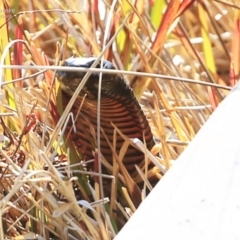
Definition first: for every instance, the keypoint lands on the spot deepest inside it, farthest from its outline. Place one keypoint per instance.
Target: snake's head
(70, 80)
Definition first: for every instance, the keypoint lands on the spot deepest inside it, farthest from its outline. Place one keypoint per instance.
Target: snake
(119, 109)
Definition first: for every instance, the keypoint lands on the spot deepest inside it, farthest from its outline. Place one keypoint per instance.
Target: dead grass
(38, 200)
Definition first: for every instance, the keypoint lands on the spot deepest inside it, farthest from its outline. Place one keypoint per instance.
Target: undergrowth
(180, 58)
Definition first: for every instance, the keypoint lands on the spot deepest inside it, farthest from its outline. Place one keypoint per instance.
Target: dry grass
(187, 74)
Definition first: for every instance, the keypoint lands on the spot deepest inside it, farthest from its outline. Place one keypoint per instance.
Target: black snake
(119, 107)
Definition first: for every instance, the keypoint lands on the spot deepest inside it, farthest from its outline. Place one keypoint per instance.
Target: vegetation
(181, 58)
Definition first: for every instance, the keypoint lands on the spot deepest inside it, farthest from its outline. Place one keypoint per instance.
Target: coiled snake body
(119, 107)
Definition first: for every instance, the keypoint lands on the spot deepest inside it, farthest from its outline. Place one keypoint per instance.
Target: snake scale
(118, 106)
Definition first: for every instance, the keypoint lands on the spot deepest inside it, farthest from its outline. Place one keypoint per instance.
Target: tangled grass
(180, 63)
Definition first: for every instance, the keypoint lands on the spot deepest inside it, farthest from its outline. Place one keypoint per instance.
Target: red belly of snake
(118, 108)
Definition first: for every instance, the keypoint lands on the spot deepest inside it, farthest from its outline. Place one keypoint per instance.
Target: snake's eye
(108, 65)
